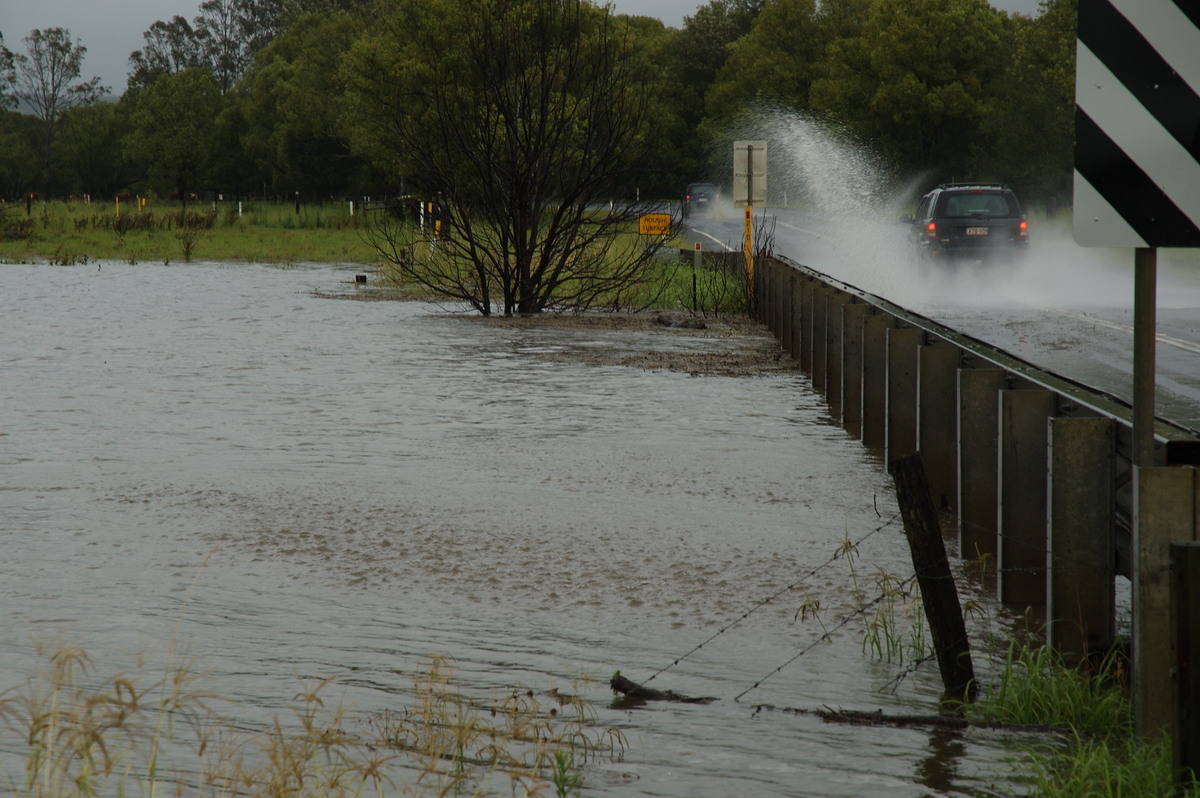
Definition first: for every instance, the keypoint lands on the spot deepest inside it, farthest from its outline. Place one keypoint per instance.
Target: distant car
(969, 221)
(700, 198)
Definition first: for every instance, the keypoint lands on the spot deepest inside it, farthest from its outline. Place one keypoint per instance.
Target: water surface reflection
(216, 460)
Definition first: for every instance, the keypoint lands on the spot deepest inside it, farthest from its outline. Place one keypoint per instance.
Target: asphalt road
(1068, 309)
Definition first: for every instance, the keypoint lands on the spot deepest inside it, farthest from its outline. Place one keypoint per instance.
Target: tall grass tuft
(1034, 686)
(1103, 758)
(69, 733)
(1100, 768)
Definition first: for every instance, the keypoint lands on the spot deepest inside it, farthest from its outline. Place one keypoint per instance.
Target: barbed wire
(836, 556)
(826, 635)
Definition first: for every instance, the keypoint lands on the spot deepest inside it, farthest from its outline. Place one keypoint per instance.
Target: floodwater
(216, 462)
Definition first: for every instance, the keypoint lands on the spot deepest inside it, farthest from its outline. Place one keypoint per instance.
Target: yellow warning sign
(655, 224)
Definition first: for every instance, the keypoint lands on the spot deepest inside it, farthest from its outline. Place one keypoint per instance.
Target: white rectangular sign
(750, 173)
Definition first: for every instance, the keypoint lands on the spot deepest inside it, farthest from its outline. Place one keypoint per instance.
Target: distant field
(164, 232)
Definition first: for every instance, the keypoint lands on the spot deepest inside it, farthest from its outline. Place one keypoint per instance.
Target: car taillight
(931, 231)
(1023, 231)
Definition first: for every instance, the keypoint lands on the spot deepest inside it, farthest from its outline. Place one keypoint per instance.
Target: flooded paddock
(218, 462)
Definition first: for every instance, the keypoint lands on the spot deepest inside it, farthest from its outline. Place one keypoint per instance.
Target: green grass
(162, 232)
(667, 280)
(68, 234)
(1035, 687)
(165, 233)
(1116, 767)
(1104, 758)
(709, 290)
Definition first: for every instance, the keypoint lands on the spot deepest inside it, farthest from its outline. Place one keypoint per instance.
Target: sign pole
(748, 248)
(749, 157)
(1137, 184)
(1145, 312)
(748, 235)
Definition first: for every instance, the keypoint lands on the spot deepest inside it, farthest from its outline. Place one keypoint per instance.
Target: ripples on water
(373, 483)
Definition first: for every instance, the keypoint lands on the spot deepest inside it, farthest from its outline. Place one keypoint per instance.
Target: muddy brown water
(217, 461)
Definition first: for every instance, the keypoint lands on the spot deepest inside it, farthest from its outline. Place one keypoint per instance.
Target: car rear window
(969, 204)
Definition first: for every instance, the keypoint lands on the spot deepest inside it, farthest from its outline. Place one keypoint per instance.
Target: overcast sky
(112, 29)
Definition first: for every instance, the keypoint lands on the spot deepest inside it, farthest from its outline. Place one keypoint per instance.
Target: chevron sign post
(1137, 184)
(1137, 124)
(1137, 154)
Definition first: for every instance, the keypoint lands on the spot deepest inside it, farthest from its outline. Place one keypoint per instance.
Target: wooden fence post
(938, 591)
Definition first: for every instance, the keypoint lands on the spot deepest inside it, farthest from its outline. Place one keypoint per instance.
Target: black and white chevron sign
(1137, 123)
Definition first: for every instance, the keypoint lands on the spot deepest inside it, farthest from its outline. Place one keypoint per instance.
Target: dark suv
(969, 221)
(700, 198)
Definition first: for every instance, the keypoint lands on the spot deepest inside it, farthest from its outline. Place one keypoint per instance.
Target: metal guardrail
(1036, 469)
(1179, 443)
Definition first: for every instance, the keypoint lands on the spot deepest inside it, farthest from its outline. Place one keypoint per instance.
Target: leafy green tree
(19, 170)
(293, 9)
(232, 31)
(1033, 122)
(173, 130)
(235, 172)
(224, 36)
(699, 53)
(46, 80)
(521, 117)
(171, 47)
(666, 163)
(917, 81)
(774, 62)
(8, 76)
(291, 103)
(90, 157)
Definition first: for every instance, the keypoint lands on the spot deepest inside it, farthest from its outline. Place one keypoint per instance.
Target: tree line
(349, 98)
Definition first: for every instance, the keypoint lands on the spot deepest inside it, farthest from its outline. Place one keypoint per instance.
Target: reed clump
(1106, 768)
(1034, 686)
(1101, 757)
(70, 732)
(1091, 748)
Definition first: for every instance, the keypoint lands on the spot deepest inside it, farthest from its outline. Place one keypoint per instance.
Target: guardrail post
(807, 293)
(852, 366)
(757, 286)
(796, 288)
(775, 278)
(1081, 556)
(787, 317)
(833, 351)
(1185, 644)
(820, 338)
(978, 463)
(1022, 496)
(902, 346)
(937, 433)
(1165, 510)
(874, 379)
(763, 276)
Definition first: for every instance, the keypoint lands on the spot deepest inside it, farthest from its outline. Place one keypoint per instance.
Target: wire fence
(841, 551)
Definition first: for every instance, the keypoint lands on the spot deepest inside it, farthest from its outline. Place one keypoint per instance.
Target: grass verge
(1103, 758)
(70, 233)
(73, 233)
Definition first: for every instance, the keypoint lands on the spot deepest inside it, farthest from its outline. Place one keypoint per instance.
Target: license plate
(977, 231)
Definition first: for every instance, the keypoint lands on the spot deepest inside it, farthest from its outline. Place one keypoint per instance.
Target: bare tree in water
(523, 118)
